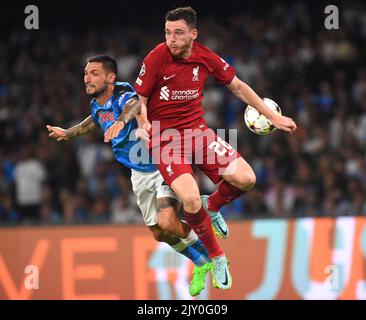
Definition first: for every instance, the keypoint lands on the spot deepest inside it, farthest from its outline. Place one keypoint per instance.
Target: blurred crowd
(317, 76)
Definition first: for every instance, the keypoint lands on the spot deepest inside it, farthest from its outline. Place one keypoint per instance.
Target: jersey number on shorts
(221, 147)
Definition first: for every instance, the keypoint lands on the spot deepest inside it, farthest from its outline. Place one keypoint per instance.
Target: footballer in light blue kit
(122, 145)
(114, 107)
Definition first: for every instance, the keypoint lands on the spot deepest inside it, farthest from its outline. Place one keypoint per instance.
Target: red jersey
(174, 86)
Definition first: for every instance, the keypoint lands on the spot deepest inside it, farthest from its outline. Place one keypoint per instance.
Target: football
(257, 122)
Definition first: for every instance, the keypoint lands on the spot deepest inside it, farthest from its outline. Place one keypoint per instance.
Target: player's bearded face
(96, 90)
(179, 38)
(95, 79)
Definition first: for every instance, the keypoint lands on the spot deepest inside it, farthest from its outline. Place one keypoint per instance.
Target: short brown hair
(109, 64)
(184, 13)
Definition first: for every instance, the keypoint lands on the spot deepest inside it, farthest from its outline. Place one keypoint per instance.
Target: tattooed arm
(83, 127)
(143, 122)
(131, 109)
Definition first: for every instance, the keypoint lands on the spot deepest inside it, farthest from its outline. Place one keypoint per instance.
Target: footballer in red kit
(170, 87)
(175, 85)
(178, 105)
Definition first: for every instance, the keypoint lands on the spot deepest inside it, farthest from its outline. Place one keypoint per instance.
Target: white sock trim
(180, 246)
(192, 238)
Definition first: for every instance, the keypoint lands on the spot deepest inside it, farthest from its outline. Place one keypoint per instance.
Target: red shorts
(174, 152)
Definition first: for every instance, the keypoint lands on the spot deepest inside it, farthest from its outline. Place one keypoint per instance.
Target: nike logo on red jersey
(167, 78)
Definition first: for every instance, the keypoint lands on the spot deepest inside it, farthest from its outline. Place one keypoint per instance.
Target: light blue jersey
(126, 149)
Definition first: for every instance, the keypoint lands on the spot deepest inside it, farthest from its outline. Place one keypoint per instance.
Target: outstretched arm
(247, 95)
(131, 109)
(142, 116)
(82, 128)
(142, 120)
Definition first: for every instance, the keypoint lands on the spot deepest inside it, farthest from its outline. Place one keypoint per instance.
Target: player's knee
(251, 180)
(247, 180)
(191, 202)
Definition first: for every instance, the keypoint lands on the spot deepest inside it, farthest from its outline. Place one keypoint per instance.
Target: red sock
(201, 224)
(224, 194)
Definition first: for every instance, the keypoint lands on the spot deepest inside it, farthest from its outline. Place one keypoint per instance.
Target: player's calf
(168, 220)
(161, 235)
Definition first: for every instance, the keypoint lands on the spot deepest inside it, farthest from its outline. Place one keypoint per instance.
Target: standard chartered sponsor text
(184, 94)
